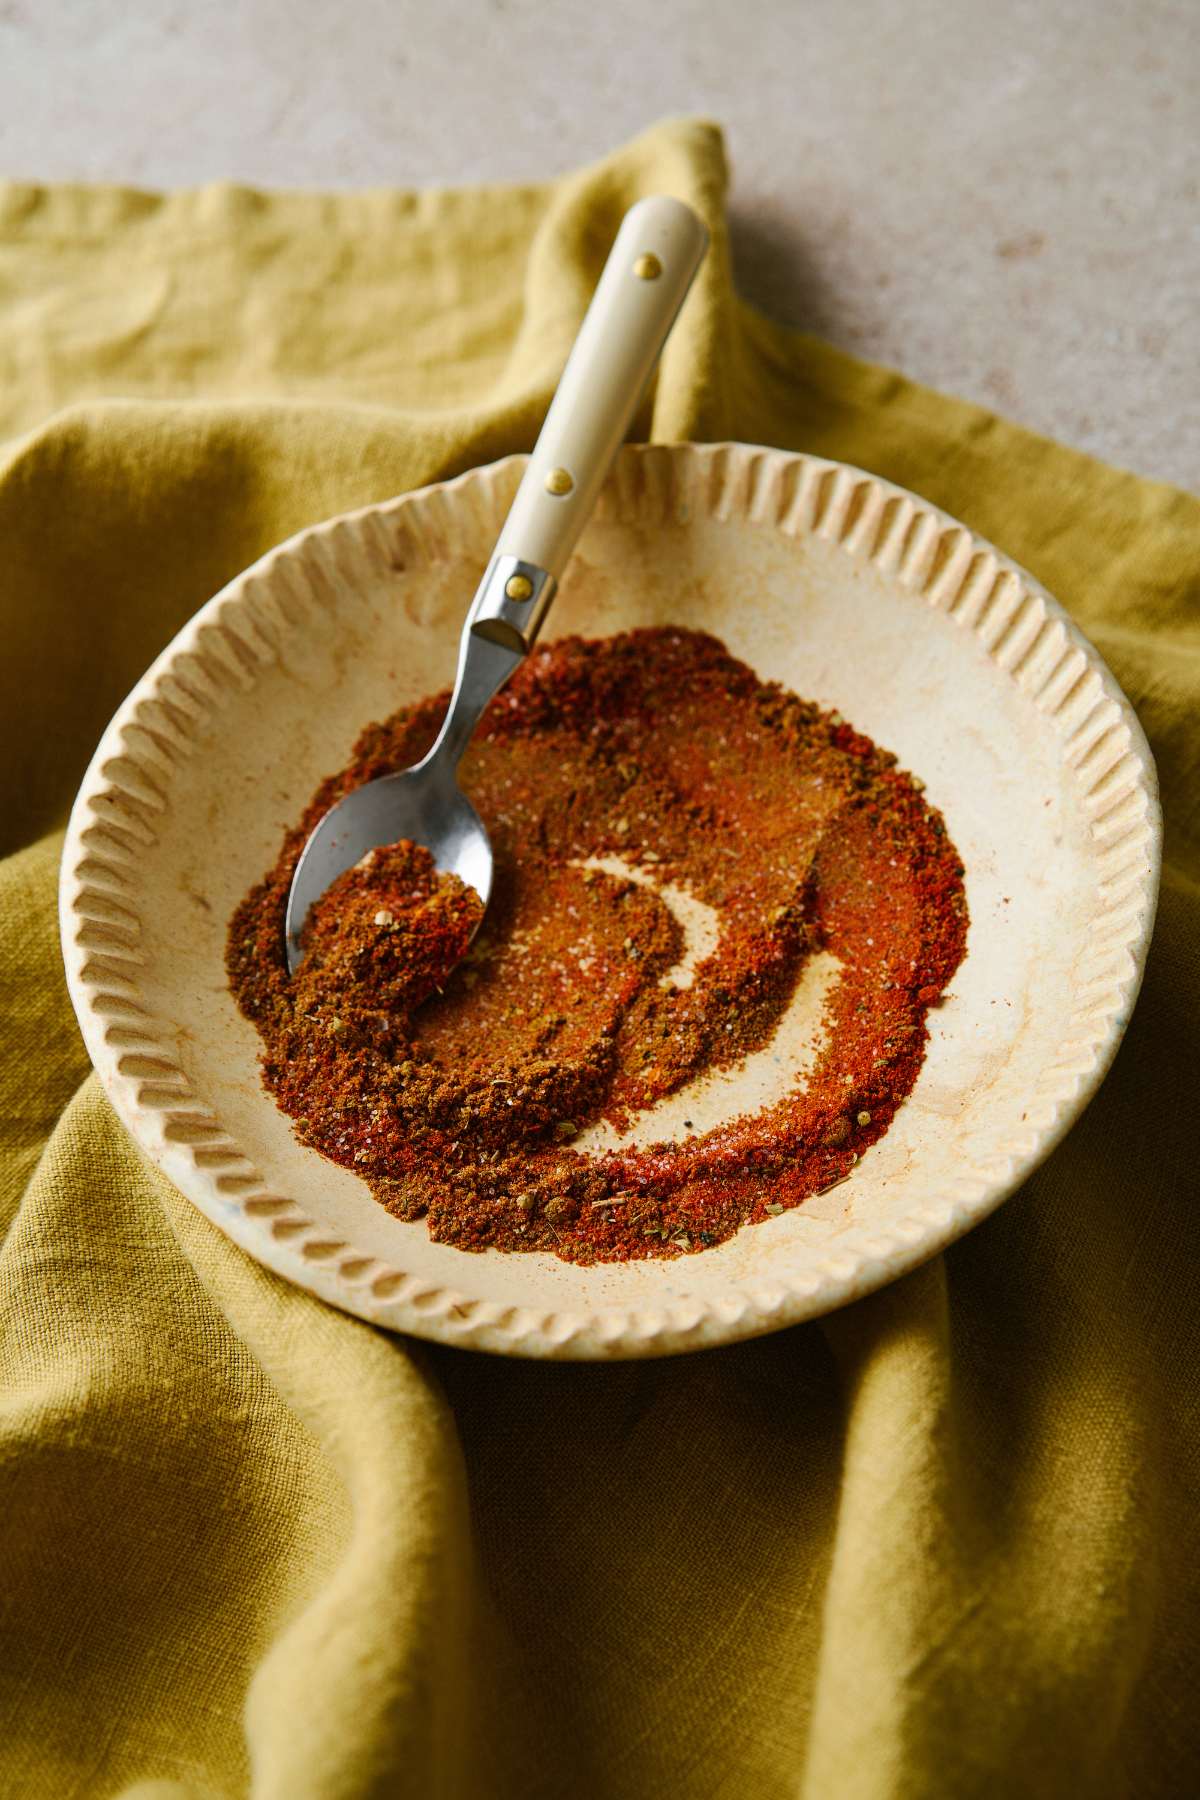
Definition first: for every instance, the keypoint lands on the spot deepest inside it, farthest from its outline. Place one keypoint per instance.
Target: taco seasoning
(381, 939)
(675, 841)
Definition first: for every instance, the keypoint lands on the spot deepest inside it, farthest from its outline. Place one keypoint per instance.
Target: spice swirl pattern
(612, 775)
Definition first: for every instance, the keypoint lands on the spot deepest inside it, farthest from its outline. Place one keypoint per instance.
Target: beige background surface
(1000, 199)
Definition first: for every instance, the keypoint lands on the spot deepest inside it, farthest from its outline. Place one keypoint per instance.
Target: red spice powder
(614, 776)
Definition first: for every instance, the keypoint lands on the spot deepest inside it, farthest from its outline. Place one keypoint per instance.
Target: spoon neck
(483, 667)
(496, 638)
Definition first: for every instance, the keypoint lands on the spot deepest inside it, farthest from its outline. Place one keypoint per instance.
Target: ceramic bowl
(848, 590)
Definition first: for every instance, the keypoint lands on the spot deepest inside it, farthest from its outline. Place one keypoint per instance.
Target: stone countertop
(1002, 201)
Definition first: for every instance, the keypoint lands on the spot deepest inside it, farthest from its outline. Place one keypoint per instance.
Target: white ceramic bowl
(848, 590)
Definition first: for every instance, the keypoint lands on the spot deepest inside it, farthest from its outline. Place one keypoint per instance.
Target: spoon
(649, 270)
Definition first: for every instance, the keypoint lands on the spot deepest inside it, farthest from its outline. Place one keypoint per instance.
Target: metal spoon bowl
(649, 270)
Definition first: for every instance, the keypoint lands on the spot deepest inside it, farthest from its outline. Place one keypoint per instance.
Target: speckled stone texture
(1001, 201)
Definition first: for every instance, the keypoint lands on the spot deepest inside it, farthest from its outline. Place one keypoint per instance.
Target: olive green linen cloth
(941, 1543)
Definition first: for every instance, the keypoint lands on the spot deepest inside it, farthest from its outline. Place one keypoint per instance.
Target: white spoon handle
(649, 270)
(648, 273)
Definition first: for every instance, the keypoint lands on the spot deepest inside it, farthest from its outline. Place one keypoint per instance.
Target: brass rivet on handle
(647, 267)
(559, 481)
(518, 587)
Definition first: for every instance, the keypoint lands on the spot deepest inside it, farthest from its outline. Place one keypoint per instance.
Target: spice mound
(719, 918)
(382, 938)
